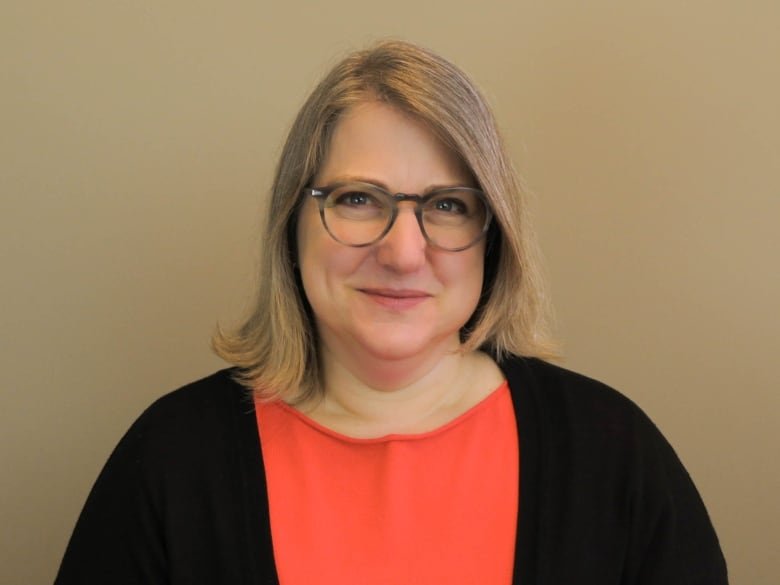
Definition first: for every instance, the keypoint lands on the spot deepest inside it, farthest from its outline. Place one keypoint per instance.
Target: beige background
(136, 145)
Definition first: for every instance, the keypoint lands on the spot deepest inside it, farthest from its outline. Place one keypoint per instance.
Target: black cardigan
(604, 498)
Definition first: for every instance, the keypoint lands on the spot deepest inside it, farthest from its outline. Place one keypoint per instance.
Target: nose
(403, 249)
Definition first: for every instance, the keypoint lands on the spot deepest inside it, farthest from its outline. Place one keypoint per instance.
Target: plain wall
(137, 141)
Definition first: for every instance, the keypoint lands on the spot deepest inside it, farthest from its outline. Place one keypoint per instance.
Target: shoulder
(595, 466)
(198, 420)
(582, 415)
(182, 480)
(201, 401)
(193, 440)
(567, 393)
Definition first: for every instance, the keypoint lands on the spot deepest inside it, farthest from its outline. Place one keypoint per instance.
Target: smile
(398, 299)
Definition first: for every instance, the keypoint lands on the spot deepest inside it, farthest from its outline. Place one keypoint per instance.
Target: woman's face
(398, 298)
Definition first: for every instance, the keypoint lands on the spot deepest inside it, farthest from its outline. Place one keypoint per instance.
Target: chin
(400, 345)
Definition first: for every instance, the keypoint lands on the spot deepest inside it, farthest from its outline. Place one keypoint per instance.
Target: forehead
(375, 140)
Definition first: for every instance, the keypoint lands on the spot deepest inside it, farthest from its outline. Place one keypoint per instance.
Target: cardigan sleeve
(118, 538)
(671, 539)
(604, 498)
(182, 498)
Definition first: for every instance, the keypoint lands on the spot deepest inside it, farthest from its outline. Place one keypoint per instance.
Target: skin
(388, 315)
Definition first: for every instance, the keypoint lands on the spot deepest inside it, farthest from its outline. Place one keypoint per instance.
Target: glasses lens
(356, 214)
(455, 218)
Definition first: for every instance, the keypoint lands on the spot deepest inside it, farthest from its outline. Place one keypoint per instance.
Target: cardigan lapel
(522, 386)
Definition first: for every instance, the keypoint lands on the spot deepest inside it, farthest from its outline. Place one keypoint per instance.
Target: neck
(402, 396)
(387, 374)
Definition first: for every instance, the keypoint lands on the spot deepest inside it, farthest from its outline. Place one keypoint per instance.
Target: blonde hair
(275, 348)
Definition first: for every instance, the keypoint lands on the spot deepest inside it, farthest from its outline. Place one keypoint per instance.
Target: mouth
(397, 299)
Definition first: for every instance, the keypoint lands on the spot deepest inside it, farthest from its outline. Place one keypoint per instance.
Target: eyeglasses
(361, 214)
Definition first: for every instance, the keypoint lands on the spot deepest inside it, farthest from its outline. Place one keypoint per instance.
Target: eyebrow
(381, 185)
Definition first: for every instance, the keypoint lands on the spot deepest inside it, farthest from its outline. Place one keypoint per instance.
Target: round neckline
(393, 437)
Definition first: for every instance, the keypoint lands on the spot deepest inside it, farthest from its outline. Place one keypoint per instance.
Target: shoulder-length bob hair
(276, 346)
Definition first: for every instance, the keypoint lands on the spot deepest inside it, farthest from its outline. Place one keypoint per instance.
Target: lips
(398, 299)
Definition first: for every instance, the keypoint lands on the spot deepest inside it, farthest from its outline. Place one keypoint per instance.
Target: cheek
(312, 242)
(462, 276)
(320, 271)
(471, 297)
(304, 232)
(307, 258)
(471, 272)
(474, 276)
(324, 264)
(476, 290)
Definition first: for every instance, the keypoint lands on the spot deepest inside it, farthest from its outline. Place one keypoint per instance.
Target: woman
(395, 434)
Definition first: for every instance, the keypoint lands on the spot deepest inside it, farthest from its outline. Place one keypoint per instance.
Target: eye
(356, 203)
(451, 205)
(355, 199)
(455, 208)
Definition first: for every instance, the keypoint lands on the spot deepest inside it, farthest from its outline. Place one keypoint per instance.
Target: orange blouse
(434, 507)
